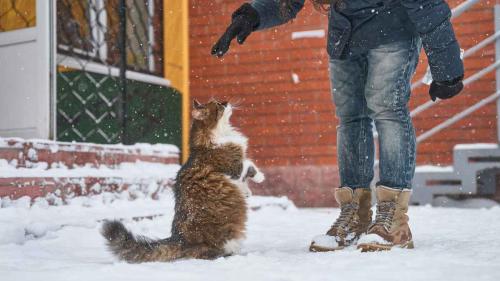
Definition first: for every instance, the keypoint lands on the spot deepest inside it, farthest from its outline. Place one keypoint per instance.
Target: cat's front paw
(259, 177)
(252, 172)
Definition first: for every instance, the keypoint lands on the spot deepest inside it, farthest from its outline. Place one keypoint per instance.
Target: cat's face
(211, 113)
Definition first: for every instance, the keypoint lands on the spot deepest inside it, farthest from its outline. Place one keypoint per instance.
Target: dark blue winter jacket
(357, 25)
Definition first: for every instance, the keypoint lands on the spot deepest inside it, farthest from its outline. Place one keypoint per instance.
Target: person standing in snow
(374, 47)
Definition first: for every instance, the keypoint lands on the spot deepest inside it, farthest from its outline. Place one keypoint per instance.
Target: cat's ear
(196, 104)
(198, 114)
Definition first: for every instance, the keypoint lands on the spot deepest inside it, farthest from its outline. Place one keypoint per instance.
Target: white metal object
(466, 5)
(53, 69)
(458, 117)
(497, 58)
(466, 82)
(90, 66)
(25, 77)
(317, 33)
(482, 44)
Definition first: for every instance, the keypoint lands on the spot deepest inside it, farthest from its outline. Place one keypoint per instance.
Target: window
(17, 14)
(81, 26)
(90, 29)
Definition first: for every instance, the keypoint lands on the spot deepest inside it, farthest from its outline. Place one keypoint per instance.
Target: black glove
(446, 89)
(245, 20)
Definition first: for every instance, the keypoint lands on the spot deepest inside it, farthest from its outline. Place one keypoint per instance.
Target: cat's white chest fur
(225, 133)
(223, 136)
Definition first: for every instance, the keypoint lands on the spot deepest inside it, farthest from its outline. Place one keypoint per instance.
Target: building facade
(280, 78)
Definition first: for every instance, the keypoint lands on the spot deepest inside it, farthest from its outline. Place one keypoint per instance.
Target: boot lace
(347, 212)
(385, 214)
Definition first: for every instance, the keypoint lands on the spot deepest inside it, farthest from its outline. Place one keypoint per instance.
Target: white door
(26, 56)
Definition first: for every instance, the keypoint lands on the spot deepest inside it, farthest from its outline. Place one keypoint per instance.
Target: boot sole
(375, 247)
(319, 249)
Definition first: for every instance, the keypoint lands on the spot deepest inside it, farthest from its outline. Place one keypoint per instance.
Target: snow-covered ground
(44, 242)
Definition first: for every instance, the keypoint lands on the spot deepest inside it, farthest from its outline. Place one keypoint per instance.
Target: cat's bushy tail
(135, 249)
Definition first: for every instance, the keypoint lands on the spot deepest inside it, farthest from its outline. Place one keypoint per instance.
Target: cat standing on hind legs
(210, 191)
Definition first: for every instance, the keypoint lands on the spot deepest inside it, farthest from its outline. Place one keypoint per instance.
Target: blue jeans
(374, 87)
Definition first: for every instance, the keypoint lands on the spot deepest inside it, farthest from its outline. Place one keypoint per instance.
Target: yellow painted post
(176, 58)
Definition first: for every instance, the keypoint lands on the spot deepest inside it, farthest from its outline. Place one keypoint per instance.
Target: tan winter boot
(354, 219)
(390, 228)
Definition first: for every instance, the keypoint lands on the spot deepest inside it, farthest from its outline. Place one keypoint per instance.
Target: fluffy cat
(210, 191)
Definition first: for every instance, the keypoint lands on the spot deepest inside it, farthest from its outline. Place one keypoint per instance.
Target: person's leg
(355, 156)
(355, 148)
(390, 68)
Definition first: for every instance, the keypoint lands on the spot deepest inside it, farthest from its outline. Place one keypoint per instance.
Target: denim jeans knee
(376, 86)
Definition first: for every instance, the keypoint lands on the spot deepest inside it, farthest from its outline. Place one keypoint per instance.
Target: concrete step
(469, 162)
(57, 170)
(470, 159)
(25, 153)
(62, 188)
(432, 180)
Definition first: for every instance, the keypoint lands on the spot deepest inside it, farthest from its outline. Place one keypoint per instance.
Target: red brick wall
(291, 126)
(471, 28)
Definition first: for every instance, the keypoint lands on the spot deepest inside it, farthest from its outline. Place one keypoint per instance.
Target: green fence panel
(88, 107)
